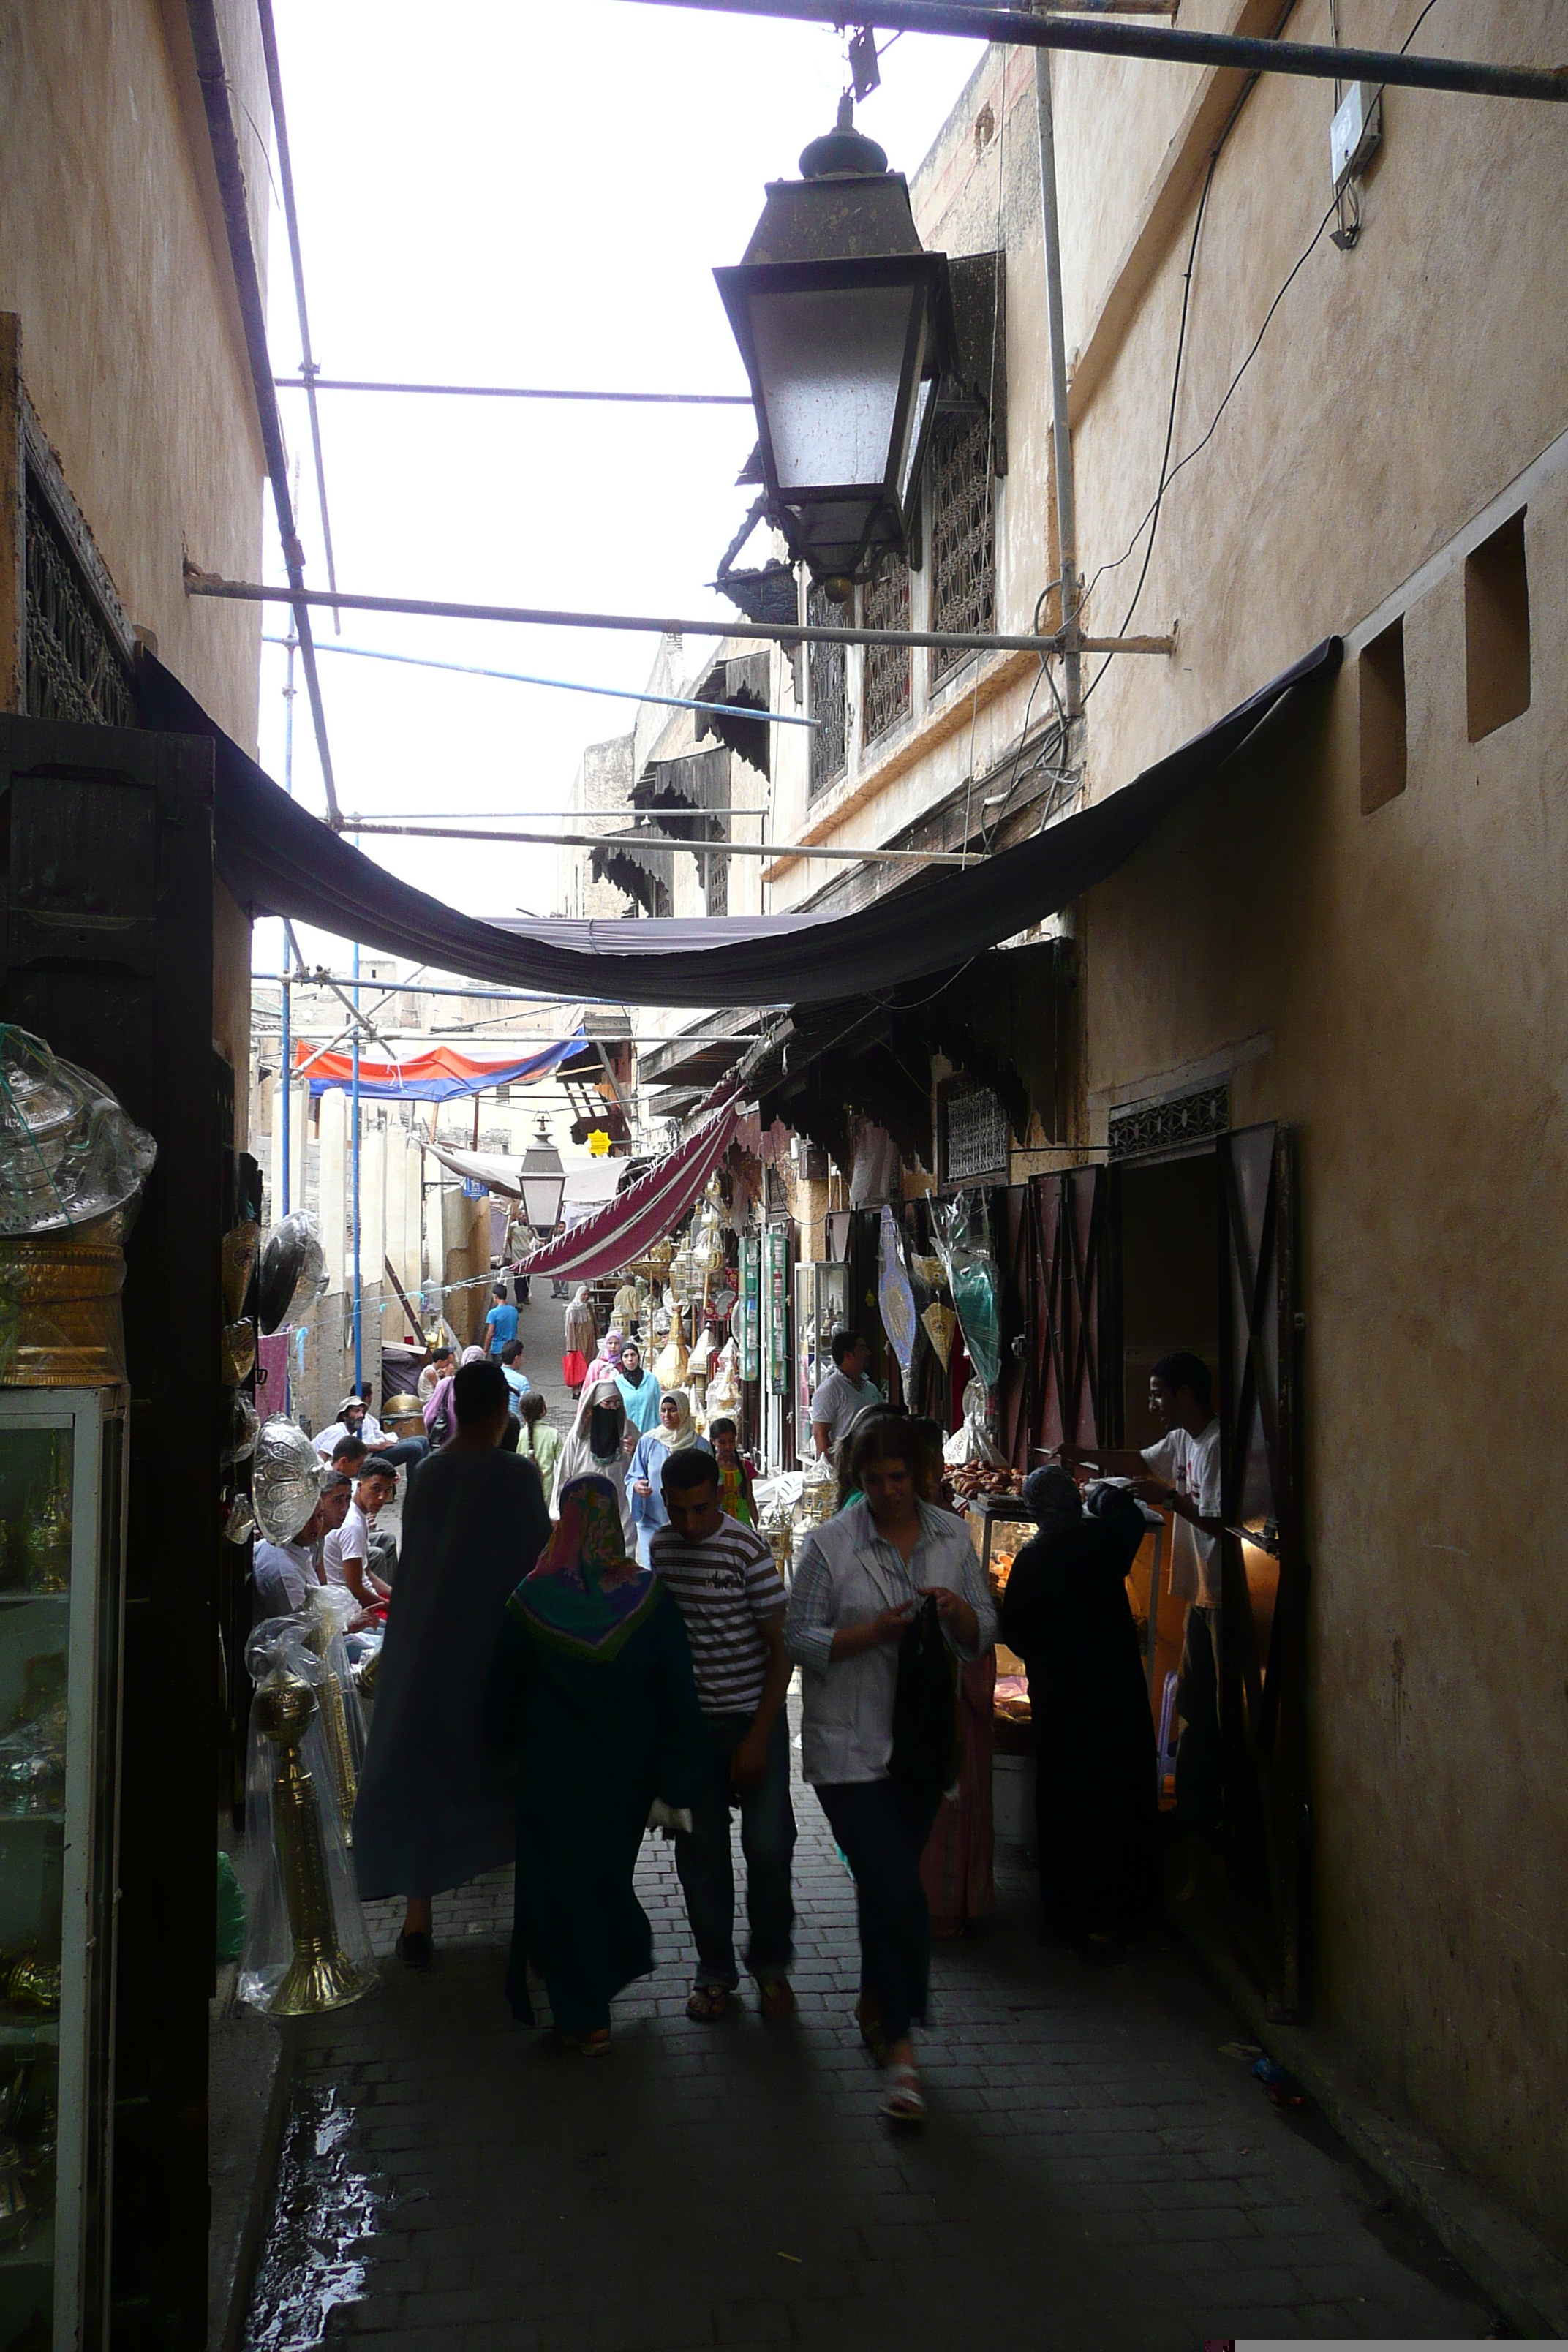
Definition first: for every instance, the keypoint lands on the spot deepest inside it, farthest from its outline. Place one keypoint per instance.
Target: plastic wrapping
(286, 1477)
(723, 1398)
(329, 1608)
(69, 1155)
(293, 1274)
(894, 1296)
(969, 1441)
(964, 1242)
(307, 1948)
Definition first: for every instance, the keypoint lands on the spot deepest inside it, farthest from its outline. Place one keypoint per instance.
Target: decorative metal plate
(1143, 1128)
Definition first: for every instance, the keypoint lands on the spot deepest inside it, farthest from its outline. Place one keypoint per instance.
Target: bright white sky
(526, 193)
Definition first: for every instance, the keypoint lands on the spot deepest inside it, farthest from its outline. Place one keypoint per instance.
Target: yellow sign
(599, 1144)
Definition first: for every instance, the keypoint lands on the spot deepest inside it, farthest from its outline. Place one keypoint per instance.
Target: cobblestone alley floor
(1097, 2170)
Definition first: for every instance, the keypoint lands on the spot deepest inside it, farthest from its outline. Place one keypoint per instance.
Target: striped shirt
(726, 1588)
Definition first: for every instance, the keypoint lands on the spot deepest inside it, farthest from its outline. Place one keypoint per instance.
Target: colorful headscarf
(685, 1431)
(585, 1596)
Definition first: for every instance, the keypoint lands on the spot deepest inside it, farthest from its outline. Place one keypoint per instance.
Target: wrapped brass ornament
(244, 1421)
(320, 1975)
(47, 1542)
(33, 1743)
(28, 1982)
(237, 1353)
(240, 1246)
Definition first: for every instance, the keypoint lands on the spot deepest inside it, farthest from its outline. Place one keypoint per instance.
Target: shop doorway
(1168, 1222)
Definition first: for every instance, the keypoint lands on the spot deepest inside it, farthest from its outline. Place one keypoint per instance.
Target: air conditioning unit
(1355, 133)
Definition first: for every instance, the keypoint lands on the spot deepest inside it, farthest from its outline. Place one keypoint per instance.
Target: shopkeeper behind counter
(846, 1391)
(1186, 1464)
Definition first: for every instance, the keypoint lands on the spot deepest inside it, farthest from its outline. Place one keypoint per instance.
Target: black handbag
(926, 1735)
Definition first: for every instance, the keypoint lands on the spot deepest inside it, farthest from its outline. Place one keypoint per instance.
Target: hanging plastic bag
(962, 1231)
(68, 1152)
(894, 1296)
(969, 1441)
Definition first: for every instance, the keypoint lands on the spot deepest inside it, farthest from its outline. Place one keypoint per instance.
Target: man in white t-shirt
(345, 1556)
(846, 1391)
(1186, 1464)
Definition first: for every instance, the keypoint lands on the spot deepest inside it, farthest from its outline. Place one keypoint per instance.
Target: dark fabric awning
(277, 859)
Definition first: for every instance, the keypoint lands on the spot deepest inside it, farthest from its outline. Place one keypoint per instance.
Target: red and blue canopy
(442, 1075)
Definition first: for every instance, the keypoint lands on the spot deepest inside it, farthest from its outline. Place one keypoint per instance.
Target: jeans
(767, 1841)
(408, 1450)
(1200, 1752)
(881, 1829)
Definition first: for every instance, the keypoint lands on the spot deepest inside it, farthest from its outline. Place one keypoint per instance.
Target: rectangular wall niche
(1381, 681)
(1496, 630)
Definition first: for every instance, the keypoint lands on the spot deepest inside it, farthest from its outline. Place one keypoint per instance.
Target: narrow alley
(1100, 2165)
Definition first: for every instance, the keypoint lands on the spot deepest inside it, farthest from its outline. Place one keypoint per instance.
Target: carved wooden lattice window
(74, 668)
(887, 693)
(964, 550)
(826, 689)
(718, 884)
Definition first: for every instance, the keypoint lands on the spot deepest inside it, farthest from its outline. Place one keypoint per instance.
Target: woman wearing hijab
(1067, 1613)
(439, 1418)
(592, 1692)
(596, 1447)
(434, 1806)
(639, 1390)
(607, 1362)
(671, 1434)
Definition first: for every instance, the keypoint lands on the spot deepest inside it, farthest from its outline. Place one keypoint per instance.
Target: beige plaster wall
(1406, 973)
(114, 256)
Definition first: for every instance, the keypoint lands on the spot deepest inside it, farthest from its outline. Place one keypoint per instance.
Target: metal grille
(1168, 1126)
(974, 1133)
(74, 670)
(827, 690)
(887, 693)
(718, 884)
(963, 549)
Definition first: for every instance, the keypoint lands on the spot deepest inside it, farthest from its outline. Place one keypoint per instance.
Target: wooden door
(1016, 1269)
(1263, 1575)
(106, 949)
(1072, 1392)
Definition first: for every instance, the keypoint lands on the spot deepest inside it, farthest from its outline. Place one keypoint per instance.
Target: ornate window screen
(974, 1131)
(963, 549)
(75, 666)
(886, 689)
(826, 689)
(1144, 1128)
(718, 890)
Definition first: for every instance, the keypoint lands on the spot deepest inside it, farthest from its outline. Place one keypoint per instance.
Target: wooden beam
(12, 520)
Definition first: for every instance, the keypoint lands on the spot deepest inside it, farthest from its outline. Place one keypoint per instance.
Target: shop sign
(778, 1310)
(748, 1318)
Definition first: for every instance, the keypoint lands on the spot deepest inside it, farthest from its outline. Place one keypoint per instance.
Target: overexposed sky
(516, 193)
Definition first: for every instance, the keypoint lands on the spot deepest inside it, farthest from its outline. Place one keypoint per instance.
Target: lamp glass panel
(542, 1200)
(925, 391)
(830, 532)
(829, 364)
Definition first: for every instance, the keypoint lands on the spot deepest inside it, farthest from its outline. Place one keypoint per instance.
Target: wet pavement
(1099, 2166)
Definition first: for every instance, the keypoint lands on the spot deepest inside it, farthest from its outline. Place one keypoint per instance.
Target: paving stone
(1090, 2155)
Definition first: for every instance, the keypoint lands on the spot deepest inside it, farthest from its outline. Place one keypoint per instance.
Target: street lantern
(542, 1182)
(844, 321)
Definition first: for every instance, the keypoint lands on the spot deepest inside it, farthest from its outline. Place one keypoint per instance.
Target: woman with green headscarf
(591, 1691)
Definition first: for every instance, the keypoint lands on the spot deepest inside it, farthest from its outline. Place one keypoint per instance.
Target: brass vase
(335, 1728)
(320, 1976)
(61, 1326)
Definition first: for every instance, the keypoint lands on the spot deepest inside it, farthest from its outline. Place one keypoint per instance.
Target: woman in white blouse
(859, 1582)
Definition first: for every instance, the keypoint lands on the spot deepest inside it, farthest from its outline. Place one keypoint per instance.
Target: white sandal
(903, 2101)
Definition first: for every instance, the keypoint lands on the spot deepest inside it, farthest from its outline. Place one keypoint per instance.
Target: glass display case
(61, 1488)
(821, 1308)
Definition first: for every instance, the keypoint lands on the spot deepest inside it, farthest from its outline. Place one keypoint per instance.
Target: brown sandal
(871, 2032)
(775, 2000)
(708, 2003)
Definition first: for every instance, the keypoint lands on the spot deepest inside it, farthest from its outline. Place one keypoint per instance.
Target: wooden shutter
(1071, 1394)
(1018, 1283)
(1262, 1669)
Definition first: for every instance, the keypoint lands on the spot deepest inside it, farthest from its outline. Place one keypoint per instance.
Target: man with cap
(354, 1419)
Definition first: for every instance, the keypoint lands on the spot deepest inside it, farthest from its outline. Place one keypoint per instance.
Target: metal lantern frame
(542, 1186)
(806, 515)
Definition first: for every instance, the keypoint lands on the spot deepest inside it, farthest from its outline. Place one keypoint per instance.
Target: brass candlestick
(334, 1726)
(320, 1976)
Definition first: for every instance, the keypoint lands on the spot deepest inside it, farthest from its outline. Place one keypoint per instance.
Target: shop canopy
(277, 859)
(586, 1188)
(443, 1074)
(648, 1211)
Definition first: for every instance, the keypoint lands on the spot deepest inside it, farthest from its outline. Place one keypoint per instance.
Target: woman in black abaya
(1067, 1614)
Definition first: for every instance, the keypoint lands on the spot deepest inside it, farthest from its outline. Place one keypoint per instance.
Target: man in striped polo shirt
(722, 1577)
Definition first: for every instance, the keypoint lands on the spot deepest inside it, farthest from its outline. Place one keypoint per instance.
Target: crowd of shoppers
(587, 1636)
